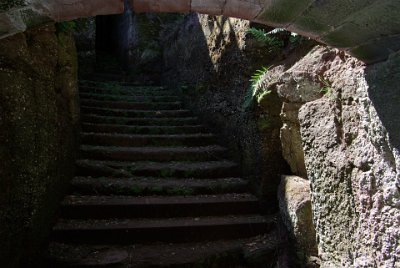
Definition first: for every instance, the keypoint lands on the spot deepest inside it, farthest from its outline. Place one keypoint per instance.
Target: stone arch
(367, 29)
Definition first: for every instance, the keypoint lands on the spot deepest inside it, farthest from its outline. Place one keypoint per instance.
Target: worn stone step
(123, 129)
(137, 121)
(133, 98)
(89, 82)
(210, 169)
(217, 253)
(104, 207)
(111, 139)
(135, 113)
(125, 91)
(105, 76)
(132, 105)
(126, 231)
(163, 154)
(156, 186)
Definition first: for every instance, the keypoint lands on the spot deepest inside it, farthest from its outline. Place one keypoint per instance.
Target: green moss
(180, 191)
(137, 190)
(157, 190)
(166, 172)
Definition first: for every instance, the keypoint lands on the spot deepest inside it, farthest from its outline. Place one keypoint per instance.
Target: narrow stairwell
(153, 189)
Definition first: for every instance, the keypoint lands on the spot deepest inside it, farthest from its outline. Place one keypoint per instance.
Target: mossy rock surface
(38, 104)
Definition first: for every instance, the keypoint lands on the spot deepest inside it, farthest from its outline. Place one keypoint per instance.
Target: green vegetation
(266, 37)
(275, 38)
(264, 123)
(256, 80)
(66, 26)
(326, 88)
(167, 172)
(180, 191)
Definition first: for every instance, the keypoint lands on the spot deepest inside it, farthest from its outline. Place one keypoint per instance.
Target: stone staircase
(153, 189)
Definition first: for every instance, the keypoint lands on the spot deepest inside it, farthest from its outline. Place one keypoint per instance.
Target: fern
(255, 80)
(266, 38)
(326, 88)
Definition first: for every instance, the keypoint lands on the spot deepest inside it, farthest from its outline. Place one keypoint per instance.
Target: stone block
(292, 148)
(377, 20)
(243, 9)
(160, 6)
(295, 207)
(281, 12)
(62, 10)
(377, 50)
(324, 16)
(211, 7)
(11, 23)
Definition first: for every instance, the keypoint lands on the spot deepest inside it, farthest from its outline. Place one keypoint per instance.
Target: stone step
(123, 129)
(110, 139)
(219, 253)
(190, 229)
(125, 91)
(156, 186)
(203, 153)
(134, 98)
(104, 76)
(132, 105)
(137, 121)
(135, 113)
(104, 207)
(210, 169)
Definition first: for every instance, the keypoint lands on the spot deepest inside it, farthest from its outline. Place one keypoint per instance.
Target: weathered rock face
(213, 60)
(351, 152)
(295, 207)
(39, 118)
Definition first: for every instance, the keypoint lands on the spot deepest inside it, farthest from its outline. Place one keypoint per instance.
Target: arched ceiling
(367, 29)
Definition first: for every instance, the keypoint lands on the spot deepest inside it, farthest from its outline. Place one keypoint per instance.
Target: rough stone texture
(61, 10)
(212, 59)
(332, 23)
(295, 207)
(39, 116)
(17, 16)
(292, 147)
(160, 5)
(350, 141)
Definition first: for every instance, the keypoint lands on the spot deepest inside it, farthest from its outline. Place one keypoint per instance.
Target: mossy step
(136, 98)
(132, 105)
(157, 121)
(107, 84)
(135, 113)
(217, 253)
(209, 169)
(111, 139)
(125, 91)
(104, 207)
(163, 154)
(156, 186)
(123, 129)
(125, 231)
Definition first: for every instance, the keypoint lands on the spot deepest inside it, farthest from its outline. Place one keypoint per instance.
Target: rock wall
(39, 116)
(342, 117)
(211, 58)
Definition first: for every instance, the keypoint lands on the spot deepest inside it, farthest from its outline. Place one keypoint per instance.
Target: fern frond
(256, 80)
